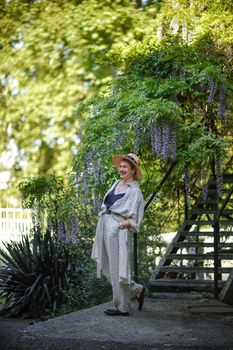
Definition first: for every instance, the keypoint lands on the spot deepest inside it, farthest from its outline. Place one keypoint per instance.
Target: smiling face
(126, 171)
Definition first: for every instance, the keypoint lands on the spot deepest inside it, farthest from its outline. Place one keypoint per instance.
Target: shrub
(33, 275)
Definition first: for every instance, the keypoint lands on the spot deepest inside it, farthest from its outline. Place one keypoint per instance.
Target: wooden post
(216, 262)
(216, 235)
(186, 206)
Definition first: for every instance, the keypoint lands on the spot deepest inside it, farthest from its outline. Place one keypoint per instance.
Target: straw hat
(132, 158)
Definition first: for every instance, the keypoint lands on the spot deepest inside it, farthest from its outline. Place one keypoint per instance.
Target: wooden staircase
(188, 263)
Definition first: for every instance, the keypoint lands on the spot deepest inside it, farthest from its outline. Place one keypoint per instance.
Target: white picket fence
(14, 223)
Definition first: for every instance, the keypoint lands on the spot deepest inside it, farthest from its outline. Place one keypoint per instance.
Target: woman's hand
(124, 224)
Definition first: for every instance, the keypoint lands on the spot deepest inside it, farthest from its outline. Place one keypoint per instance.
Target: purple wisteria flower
(186, 176)
(95, 168)
(61, 228)
(74, 229)
(222, 102)
(219, 175)
(212, 85)
(163, 139)
(102, 175)
(156, 138)
(118, 141)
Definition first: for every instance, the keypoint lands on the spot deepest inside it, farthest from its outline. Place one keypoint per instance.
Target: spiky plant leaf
(33, 275)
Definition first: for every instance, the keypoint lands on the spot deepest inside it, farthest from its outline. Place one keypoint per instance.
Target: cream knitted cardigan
(131, 207)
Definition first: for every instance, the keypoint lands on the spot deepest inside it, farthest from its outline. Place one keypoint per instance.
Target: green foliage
(52, 273)
(94, 290)
(55, 61)
(53, 57)
(202, 148)
(172, 83)
(37, 189)
(45, 195)
(52, 204)
(33, 275)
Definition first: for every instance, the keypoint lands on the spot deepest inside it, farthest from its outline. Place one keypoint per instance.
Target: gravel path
(163, 323)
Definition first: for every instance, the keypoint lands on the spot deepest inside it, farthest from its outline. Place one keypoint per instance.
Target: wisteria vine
(163, 139)
(93, 174)
(222, 102)
(212, 86)
(219, 174)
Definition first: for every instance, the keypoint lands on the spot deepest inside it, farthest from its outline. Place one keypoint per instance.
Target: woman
(121, 215)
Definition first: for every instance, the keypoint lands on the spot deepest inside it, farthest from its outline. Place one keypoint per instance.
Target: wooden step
(201, 244)
(213, 201)
(227, 179)
(206, 233)
(210, 222)
(188, 283)
(210, 211)
(194, 269)
(207, 256)
(214, 190)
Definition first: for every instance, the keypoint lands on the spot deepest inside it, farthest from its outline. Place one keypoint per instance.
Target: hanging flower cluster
(212, 86)
(88, 181)
(219, 175)
(141, 137)
(73, 229)
(222, 102)
(163, 139)
(61, 228)
(98, 172)
(186, 177)
(118, 141)
(68, 236)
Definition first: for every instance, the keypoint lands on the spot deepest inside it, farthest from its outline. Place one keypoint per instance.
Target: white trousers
(122, 292)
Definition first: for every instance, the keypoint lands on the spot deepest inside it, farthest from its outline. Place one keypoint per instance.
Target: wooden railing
(149, 201)
(216, 241)
(14, 222)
